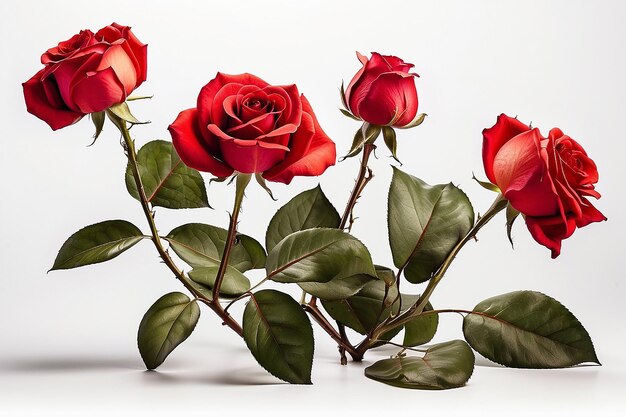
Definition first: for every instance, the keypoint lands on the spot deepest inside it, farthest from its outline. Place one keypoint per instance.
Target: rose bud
(86, 74)
(383, 91)
(243, 124)
(548, 179)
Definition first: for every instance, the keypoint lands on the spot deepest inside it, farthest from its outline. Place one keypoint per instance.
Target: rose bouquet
(243, 127)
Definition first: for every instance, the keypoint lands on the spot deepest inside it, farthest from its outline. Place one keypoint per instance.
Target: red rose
(243, 124)
(546, 179)
(85, 74)
(383, 91)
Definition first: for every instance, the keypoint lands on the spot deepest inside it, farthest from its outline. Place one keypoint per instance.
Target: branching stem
(131, 153)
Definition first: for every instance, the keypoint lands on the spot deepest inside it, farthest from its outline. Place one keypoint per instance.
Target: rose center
(255, 104)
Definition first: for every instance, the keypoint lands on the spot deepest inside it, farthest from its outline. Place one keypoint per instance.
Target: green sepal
(98, 121)
(389, 135)
(123, 112)
(486, 185)
(137, 98)
(349, 115)
(342, 92)
(511, 215)
(418, 120)
(367, 133)
(261, 181)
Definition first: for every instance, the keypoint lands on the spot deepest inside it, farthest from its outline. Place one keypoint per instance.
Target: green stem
(131, 154)
(365, 175)
(361, 181)
(312, 308)
(416, 309)
(242, 181)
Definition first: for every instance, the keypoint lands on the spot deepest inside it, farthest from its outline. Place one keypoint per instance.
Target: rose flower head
(548, 179)
(241, 123)
(85, 74)
(383, 91)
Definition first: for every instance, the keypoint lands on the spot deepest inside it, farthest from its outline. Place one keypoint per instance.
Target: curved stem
(312, 308)
(131, 153)
(347, 219)
(242, 181)
(416, 309)
(365, 176)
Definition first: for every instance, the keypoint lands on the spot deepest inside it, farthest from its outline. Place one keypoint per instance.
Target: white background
(67, 343)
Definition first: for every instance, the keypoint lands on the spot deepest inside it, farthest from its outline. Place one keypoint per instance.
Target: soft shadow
(235, 377)
(69, 364)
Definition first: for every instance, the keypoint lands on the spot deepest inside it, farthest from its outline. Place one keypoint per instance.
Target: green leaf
(307, 210)
(234, 284)
(166, 324)
(366, 309)
(444, 366)
(167, 181)
(318, 255)
(98, 122)
(337, 289)
(389, 135)
(122, 111)
(201, 244)
(97, 243)
(528, 329)
(385, 274)
(425, 224)
(422, 328)
(279, 335)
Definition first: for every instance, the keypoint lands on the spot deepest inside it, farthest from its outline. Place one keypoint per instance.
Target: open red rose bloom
(86, 74)
(243, 124)
(546, 179)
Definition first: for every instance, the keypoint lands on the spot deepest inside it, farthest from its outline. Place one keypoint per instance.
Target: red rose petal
(38, 104)
(117, 59)
(590, 214)
(550, 231)
(247, 156)
(207, 94)
(351, 85)
(98, 91)
(391, 96)
(522, 175)
(311, 150)
(189, 145)
(495, 137)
